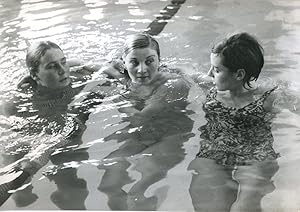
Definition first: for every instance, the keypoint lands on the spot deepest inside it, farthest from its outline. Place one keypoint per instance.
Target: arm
(285, 99)
(114, 69)
(164, 113)
(111, 70)
(282, 98)
(11, 181)
(203, 81)
(170, 96)
(194, 74)
(14, 175)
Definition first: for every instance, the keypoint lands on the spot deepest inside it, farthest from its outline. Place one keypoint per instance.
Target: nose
(141, 68)
(210, 72)
(61, 69)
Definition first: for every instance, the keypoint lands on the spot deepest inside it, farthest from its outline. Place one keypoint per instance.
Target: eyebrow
(134, 58)
(151, 56)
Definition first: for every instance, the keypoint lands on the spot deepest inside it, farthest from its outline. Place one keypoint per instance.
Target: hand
(114, 69)
(26, 83)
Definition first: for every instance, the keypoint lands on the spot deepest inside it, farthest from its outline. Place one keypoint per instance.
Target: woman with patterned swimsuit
(237, 136)
(236, 160)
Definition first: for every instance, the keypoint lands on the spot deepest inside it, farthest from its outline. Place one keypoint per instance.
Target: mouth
(143, 77)
(63, 80)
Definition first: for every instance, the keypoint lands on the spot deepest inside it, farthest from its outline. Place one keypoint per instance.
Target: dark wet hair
(139, 41)
(35, 53)
(241, 51)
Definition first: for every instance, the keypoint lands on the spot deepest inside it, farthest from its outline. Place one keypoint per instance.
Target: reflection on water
(25, 196)
(151, 143)
(230, 188)
(91, 30)
(71, 191)
(37, 117)
(159, 146)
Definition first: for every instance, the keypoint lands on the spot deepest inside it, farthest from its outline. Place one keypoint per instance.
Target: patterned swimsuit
(236, 136)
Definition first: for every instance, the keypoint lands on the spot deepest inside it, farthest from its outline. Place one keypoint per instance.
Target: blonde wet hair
(139, 41)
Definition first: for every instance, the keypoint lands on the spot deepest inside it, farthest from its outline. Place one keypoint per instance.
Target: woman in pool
(43, 111)
(158, 125)
(236, 160)
(150, 88)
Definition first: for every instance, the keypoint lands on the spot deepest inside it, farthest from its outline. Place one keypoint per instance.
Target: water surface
(157, 178)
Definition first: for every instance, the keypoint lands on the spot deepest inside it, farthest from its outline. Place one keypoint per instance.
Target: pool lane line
(157, 26)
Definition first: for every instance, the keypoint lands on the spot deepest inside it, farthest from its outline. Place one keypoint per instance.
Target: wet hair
(139, 41)
(34, 54)
(241, 51)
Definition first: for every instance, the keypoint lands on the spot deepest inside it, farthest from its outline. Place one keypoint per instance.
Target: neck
(240, 90)
(42, 90)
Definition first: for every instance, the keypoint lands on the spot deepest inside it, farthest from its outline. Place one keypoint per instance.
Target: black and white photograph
(150, 105)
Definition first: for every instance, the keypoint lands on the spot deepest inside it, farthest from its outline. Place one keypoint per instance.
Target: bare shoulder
(173, 86)
(176, 81)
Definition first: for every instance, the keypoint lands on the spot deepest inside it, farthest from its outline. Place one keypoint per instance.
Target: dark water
(102, 174)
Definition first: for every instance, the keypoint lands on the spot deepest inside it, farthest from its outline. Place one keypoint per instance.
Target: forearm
(28, 166)
(38, 157)
(203, 81)
(12, 185)
(146, 115)
(114, 69)
(14, 175)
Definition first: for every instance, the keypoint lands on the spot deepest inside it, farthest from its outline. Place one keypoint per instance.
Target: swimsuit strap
(266, 94)
(211, 94)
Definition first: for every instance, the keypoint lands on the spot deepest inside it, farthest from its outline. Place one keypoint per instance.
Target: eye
(51, 66)
(149, 61)
(134, 62)
(64, 61)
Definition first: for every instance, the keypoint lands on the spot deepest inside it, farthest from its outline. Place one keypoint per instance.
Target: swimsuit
(236, 136)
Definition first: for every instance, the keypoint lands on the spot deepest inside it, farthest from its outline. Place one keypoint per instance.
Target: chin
(68, 82)
(221, 89)
(144, 82)
(148, 81)
(62, 85)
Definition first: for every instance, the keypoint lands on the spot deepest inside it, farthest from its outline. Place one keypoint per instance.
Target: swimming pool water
(158, 177)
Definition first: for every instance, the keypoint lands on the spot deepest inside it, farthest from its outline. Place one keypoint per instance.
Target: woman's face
(142, 65)
(222, 76)
(53, 71)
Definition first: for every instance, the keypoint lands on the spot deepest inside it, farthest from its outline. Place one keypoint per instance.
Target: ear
(240, 74)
